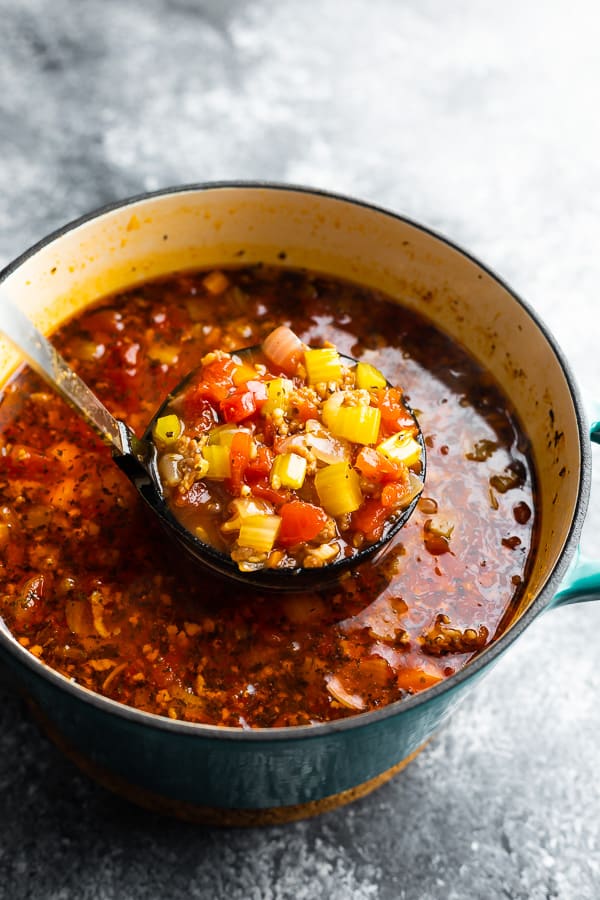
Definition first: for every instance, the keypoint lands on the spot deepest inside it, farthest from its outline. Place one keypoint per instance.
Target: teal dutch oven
(233, 776)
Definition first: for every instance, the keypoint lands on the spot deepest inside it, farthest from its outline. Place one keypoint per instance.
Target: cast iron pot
(229, 775)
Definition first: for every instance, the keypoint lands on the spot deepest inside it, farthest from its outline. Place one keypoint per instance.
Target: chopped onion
(331, 407)
(168, 468)
(339, 693)
(98, 614)
(78, 614)
(284, 348)
(416, 486)
(317, 441)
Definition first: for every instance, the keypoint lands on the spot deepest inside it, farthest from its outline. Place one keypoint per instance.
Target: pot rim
(399, 707)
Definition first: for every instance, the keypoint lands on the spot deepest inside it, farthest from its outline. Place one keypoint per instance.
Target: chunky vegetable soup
(283, 455)
(89, 585)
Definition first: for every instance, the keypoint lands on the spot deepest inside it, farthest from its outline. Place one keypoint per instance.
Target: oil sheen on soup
(89, 585)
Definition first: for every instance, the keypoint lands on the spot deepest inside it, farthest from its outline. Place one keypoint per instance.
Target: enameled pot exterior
(204, 769)
(180, 766)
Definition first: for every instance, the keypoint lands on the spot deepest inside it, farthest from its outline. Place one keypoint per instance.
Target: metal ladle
(137, 458)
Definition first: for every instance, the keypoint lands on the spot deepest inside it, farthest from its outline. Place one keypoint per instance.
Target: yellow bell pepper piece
(243, 374)
(338, 487)
(401, 447)
(167, 429)
(368, 377)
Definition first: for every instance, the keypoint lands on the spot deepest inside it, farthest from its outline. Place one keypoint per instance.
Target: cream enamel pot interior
(215, 773)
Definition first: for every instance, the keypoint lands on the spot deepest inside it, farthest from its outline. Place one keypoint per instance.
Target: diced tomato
(393, 494)
(198, 412)
(165, 669)
(121, 375)
(217, 379)
(238, 406)
(300, 522)
(241, 446)
(244, 402)
(261, 487)
(262, 463)
(394, 415)
(306, 410)
(169, 317)
(376, 467)
(370, 519)
(104, 322)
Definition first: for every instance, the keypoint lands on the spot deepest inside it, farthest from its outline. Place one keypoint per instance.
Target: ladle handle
(47, 362)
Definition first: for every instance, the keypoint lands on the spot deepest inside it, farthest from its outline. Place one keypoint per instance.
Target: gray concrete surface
(477, 118)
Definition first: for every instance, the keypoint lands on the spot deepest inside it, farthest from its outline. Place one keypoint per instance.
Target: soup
(89, 586)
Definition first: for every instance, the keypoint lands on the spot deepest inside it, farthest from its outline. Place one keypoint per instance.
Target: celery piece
(279, 391)
(259, 532)
(222, 435)
(218, 459)
(323, 365)
(440, 527)
(357, 423)
(367, 376)
(241, 508)
(338, 487)
(401, 447)
(288, 471)
(167, 429)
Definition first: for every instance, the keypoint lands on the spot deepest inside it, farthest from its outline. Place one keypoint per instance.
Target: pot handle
(582, 581)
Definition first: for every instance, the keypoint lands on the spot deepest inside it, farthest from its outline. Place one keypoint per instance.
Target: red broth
(88, 585)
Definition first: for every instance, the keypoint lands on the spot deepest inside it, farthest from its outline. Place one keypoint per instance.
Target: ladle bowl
(219, 563)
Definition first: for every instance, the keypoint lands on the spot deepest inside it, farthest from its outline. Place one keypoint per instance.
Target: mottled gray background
(477, 118)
